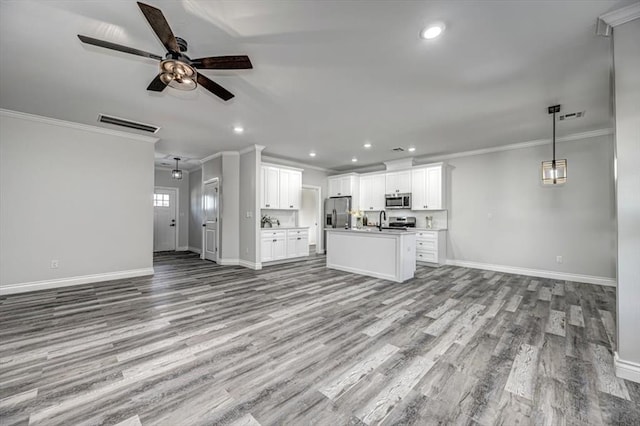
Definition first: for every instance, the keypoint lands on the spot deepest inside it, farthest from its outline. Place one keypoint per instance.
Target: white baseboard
(251, 265)
(588, 279)
(66, 282)
(183, 248)
(626, 369)
(228, 262)
(195, 250)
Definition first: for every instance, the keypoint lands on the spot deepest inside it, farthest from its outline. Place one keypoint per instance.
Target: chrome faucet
(382, 213)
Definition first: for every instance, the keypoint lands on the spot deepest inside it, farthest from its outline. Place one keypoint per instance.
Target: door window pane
(160, 200)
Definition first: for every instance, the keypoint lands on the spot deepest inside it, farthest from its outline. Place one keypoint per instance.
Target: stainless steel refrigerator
(336, 212)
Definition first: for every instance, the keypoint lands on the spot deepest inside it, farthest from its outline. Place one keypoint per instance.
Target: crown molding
(622, 15)
(520, 145)
(218, 154)
(76, 126)
(287, 162)
(252, 148)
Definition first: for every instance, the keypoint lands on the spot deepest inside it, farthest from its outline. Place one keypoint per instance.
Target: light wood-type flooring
(298, 344)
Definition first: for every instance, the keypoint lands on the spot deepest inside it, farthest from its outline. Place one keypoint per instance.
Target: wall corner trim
(66, 282)
(77, 126)
(626, 369)
(541, 273)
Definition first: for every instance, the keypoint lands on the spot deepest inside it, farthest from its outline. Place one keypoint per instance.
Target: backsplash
(440, 217)
(287, 218)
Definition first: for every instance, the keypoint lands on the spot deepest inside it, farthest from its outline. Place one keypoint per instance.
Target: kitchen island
(387, 254)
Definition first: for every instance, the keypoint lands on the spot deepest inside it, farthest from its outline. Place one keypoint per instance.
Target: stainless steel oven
(397, 201)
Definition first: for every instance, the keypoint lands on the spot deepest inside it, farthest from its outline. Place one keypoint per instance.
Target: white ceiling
(328, 75)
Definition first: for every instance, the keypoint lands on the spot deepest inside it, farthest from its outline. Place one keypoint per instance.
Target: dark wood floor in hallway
(298, 344)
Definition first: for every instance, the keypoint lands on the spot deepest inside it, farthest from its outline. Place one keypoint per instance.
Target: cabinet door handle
(339, 193)
(371, 208)
(268, 205)
(275, 241)
(290, 207)
(299, 238)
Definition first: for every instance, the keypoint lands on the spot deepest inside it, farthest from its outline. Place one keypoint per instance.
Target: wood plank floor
(298, 344)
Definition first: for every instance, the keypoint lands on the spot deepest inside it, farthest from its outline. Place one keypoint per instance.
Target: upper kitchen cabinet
(372, 189)
(343, 186)
(427, 188)
(280, 188)
(398, 182)
(290, 189)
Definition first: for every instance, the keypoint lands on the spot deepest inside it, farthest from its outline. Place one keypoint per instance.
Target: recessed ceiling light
(354, 160)
(312, 154)
(238, 129)
(411, 149)
(367, 145)
(432, 31)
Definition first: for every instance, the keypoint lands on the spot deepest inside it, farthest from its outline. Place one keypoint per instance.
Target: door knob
(204, 225)
(173, 224)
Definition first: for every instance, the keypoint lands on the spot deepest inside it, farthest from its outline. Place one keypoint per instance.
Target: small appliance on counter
(402, 222)
(397, 201)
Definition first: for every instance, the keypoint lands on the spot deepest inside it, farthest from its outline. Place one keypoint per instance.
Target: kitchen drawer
(427, 235)
(274, 234)
(427, 256)
(429, 245)
(298, 232)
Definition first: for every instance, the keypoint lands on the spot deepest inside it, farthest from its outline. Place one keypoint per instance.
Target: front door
(210, 207)
(164, 219)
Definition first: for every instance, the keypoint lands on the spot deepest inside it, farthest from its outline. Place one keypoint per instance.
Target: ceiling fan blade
(160, 26)
(223, 63)
(119, 47)
(214, 88)
(157, 85)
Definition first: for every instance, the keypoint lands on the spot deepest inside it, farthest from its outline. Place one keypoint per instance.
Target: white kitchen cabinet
(290, 189)
(398, 182)
(427, 188)
(280, 188)
(270, 191)
(283, 244)
(431, 246)
(372, 189)
(274, 245)
(340, 186)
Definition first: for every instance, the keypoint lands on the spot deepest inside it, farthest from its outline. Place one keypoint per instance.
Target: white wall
(74, 193)
(499, 212)
(195, 210)
(230, 207)
(163, 178)
(248, 191)
(308, 212)
(627, 107)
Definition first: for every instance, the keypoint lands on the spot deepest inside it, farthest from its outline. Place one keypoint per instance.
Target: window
(160, 200)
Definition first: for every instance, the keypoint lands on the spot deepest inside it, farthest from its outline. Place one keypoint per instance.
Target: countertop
(373, 231)
(284, 228)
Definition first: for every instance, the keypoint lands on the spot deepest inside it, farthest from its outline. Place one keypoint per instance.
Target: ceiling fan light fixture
(178, 74)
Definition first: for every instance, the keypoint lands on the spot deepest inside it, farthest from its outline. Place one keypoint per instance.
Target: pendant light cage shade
(176, 173)
(554, 172)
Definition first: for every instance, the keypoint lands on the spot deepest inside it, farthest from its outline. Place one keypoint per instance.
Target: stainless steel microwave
(397, 201)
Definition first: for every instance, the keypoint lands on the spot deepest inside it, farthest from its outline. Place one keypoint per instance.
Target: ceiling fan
(177, 70)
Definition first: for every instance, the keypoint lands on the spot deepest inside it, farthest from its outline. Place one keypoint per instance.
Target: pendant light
(554, 172)
(177, 173)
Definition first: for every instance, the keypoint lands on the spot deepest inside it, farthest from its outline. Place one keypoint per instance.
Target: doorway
(309, 215)
(165, 213)
(210, 208)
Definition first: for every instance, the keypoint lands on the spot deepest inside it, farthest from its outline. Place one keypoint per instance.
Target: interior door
(210, 207)
(164, 219)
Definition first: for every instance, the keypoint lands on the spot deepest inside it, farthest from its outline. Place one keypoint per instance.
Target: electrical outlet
(559, 259)
(249, 214)
(54, 264)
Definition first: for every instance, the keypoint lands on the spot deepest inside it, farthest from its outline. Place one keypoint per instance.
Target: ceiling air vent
(398, 149)
(116, 121)
(571, 116)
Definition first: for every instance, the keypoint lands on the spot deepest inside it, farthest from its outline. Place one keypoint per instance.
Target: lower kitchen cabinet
(284, 244)
(431, 246)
